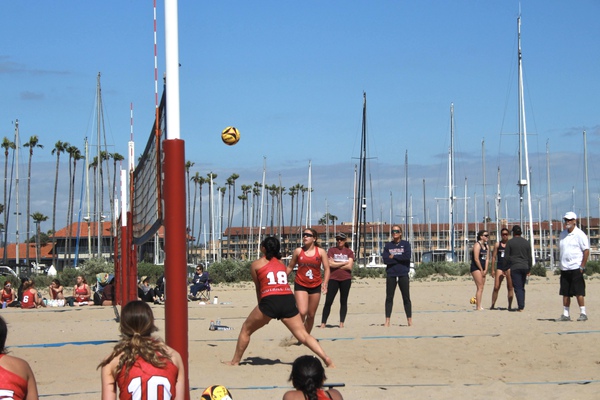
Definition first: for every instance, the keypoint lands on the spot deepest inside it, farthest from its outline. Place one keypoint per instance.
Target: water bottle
(218, 322)
(224, 328)
(212, 326)
(3, 304)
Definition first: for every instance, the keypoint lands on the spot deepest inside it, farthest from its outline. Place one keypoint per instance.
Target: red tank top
(272, 278)
(28, 299)
(309, 269)
(81, 294)
(12, 385)
(147, 382)
(6, 297)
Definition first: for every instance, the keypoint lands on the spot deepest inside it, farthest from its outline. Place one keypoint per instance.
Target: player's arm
(325, 269)
(109, 385)
(254, 275)
(494, 260)
(293, 261)
(180, 384)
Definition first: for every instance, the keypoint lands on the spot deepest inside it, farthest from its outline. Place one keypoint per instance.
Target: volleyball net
(146, 186)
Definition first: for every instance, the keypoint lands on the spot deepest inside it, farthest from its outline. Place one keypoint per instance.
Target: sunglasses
(567, 220)
(7, 286)
(396, 231)
(340, 240)
(308, 235)
(505, 234)
(486, 235)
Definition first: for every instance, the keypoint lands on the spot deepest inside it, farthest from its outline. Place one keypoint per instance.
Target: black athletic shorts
(281, 306)
(310, 290)
(572, 283)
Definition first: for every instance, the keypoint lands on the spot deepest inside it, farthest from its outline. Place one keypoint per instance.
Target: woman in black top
(479, 265)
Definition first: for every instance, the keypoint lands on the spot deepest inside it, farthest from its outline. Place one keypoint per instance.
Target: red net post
(176, 304)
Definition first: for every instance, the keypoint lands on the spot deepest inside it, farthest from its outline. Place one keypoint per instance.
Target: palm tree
(37, 217)
(222, 190)
(74, 156)
(59, 148)
(32, 143)
(230, 207)
(246, 190)
(255, 197)
(199, 182)
(196, 179)
(211, 176)
(6, 145)
(188, 165)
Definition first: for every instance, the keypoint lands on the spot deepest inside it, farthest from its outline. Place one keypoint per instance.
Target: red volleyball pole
(176, 304)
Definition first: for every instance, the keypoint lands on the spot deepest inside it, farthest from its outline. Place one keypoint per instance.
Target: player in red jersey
(141, 366)
(308, 377)
(17, 381)
(275, 300)
(309, 284)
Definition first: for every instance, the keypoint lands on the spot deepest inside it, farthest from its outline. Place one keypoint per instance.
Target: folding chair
(204, 294)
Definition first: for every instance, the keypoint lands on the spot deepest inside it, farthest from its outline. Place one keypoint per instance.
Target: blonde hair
(137, 326)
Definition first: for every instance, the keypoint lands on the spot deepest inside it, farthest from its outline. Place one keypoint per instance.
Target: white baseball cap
(570, 215)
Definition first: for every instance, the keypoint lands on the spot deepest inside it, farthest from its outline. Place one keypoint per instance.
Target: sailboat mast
(523, 129)
(98, 167)
(485, 214)
(406, 224)
(17, 145)
(498, 208)
(549, 197)
(361, 198)
(587, 183)
(451, 179)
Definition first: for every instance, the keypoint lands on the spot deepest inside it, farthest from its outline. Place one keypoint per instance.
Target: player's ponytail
(272, 247)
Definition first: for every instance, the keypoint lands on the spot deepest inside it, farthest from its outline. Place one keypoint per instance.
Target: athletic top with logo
(81, 294)
(501, 261)
(572, 246)
(28, 299)
(147, 382)
(340, 255)
(399, 264)
(272, 279)
(12, 386)
(309, 269)
(483, 250)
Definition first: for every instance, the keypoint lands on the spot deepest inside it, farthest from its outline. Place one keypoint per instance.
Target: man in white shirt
(574, 252)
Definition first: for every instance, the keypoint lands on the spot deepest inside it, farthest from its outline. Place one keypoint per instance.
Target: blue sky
(290, 76)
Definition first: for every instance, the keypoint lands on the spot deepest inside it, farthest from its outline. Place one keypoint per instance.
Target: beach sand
(451, 351)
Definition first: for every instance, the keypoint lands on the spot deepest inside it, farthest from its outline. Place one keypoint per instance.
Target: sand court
(451, 351)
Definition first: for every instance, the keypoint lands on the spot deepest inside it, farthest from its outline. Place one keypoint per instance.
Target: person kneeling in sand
(308, 377)
(275, 300)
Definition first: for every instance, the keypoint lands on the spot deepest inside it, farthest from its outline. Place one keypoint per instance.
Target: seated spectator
(146, 293)
(199, 282)
(308, 377)
(82, 292)
(159, 290)
(7, 294)
(31, 297)
(108, 293)
(21, 289)
(56, 290)
(16, 377)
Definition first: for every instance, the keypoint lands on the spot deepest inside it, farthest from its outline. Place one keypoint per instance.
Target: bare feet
(231, 363)
(386, 324)
(341, 324)
(409, 320)
(322, 326)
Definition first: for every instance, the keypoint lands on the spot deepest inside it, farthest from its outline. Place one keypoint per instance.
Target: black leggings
(390, 289)
(332, 289)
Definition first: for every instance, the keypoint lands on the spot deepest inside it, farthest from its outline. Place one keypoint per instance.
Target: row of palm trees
(75, 155)
(250, 198)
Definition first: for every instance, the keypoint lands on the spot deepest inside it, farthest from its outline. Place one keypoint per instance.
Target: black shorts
(572, 283)
(313, 290)
(278, 307)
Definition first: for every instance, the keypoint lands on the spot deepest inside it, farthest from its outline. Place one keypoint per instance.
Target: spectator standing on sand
(519, 260)
(574, 253)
